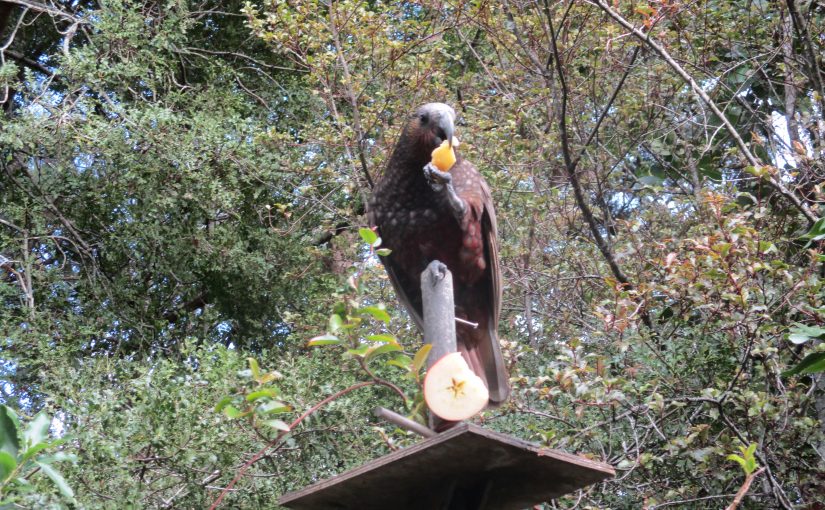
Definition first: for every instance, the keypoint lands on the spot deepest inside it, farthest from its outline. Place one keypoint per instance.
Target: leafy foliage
(746, 460)
(23, 454)
(182, 189)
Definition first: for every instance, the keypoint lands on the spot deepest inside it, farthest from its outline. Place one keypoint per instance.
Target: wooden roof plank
(519, 474)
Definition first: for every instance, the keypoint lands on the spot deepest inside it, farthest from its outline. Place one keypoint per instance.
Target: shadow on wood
(464, 468)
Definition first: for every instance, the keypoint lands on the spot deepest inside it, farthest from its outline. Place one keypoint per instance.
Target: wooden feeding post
(465, 468)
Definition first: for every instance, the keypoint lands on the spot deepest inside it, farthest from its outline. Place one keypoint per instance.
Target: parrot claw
(436, 178)
(438, 269)
(442, 182)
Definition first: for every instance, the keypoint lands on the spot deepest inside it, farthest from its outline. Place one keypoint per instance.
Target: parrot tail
(481, 349)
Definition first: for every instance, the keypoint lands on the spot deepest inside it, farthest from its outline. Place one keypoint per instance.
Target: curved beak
(447, 124)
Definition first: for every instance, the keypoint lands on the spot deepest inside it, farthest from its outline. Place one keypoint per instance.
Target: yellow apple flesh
(444, 156)
(452, 391)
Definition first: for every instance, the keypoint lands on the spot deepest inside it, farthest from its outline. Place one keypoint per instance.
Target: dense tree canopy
(182, 186)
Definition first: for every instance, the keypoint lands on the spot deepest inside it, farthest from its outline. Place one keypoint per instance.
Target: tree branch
(570, 164)
(356, 116)
(39, 7)
(698, 90)
(744, 489)
(816, 76)
(33, 64)
(258, 456)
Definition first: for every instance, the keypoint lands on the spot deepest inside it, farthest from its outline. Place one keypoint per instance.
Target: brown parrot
(423, 214)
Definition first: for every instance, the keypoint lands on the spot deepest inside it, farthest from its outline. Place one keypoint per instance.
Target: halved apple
(452, 390)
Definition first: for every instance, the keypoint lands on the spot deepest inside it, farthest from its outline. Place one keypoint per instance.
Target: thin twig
(255, 458)
(39, 7)
(744, 489)
(356, 116)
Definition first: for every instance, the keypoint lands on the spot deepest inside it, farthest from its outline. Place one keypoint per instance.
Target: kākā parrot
(423, 214)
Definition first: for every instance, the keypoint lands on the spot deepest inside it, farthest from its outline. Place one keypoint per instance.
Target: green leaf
(361, 350)
(324, 340)
(9, 426)
(7, 465)
(722, 248)
(817, 231)
(274, 407)
(57, 478)
(767, 247)
(651, 180)
(798, 339)
(376, 312)
(384, 252)
(421, 357)
(403, 361)
(222, 403)
(738, 459)
(31, 452)
(383, 349)
(368, 235)
(335, 323)
(233, 412)
(277, 424)
(254, 368)
(266, 392)
(750, 465)
(383, 338)
(800, 333)
(811, 364)
(38, 430)
(58, 457)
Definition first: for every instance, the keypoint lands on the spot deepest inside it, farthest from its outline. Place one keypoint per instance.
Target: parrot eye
(424, 118)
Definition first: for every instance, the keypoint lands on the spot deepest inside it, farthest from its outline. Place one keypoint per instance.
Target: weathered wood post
(439, 310)
(438, 302)
(439, 331)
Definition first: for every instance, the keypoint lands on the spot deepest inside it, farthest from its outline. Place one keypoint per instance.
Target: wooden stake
(403, 422)
(439, 311)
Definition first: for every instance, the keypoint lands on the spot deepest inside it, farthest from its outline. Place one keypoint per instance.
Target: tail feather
(480, 348)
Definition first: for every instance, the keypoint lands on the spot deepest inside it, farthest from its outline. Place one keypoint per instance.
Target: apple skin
(452, 390)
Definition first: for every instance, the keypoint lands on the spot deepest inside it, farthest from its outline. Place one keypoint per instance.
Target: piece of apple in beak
(452, 390)
(443, 157)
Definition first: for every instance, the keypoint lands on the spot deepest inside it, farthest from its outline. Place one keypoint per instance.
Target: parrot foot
(438, 270)
(436, 178)
(442, 182)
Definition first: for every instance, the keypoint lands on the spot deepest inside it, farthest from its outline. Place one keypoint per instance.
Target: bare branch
(39, 7)
(744, 489)
(698, 90)
(570, 165)
(356, 116)
(33, 64)
(816, 75)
